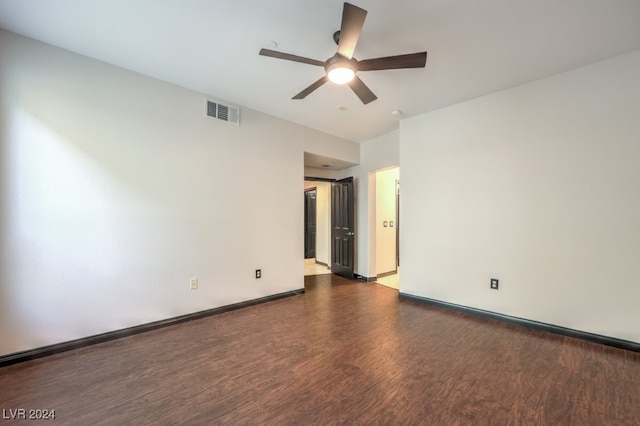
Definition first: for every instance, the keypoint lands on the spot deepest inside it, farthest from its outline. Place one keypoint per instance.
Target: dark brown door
(342, 228)
(309, 223)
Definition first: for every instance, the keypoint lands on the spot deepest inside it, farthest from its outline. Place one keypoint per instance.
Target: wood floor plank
(345, 352)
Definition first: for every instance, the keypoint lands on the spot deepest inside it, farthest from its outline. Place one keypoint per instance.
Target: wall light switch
(385, 224)
(193, 284)
(494, 284)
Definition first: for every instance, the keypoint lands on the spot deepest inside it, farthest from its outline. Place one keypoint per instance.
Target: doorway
(321, 251)
(387, 236)
(333, 227)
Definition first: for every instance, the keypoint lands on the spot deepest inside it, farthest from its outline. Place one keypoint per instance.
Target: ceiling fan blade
(352, 22)
(362, 91)
(311, 88)
(289, 57)
(411, 60)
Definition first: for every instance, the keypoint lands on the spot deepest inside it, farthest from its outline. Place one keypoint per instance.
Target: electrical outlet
(193, 284)
(494, 284)
(258, 273)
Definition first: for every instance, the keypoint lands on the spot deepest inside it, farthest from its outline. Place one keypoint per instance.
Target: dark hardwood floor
(344, 352)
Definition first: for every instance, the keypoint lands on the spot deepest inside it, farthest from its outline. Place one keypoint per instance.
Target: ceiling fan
(342, 67)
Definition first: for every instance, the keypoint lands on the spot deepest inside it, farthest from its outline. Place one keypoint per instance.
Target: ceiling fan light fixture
(341, 74)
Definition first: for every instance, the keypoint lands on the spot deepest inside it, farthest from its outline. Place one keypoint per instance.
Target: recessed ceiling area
(320, 162)
(475, 47)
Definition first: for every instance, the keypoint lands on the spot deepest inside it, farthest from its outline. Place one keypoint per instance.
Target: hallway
(392, 280)
(313, 268)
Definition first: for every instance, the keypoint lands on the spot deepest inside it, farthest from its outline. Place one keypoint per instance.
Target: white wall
(375, 154)
(115, 190)
(321, 173)
(386, 237)
(538, 186)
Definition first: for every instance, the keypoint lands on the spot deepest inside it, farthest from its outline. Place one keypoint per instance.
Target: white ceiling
(474, 47)
(321, 162)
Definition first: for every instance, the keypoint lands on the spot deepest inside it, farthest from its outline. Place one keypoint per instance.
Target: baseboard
(118, 334)
(556, 329)
(386, 274)
(322, 263)
(363, 278)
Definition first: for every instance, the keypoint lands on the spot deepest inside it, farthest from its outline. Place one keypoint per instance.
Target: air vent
(223, 112)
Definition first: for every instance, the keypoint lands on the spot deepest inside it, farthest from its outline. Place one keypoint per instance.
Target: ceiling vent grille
(223, 112)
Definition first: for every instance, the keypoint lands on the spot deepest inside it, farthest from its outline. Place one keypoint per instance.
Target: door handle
(351, 233)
